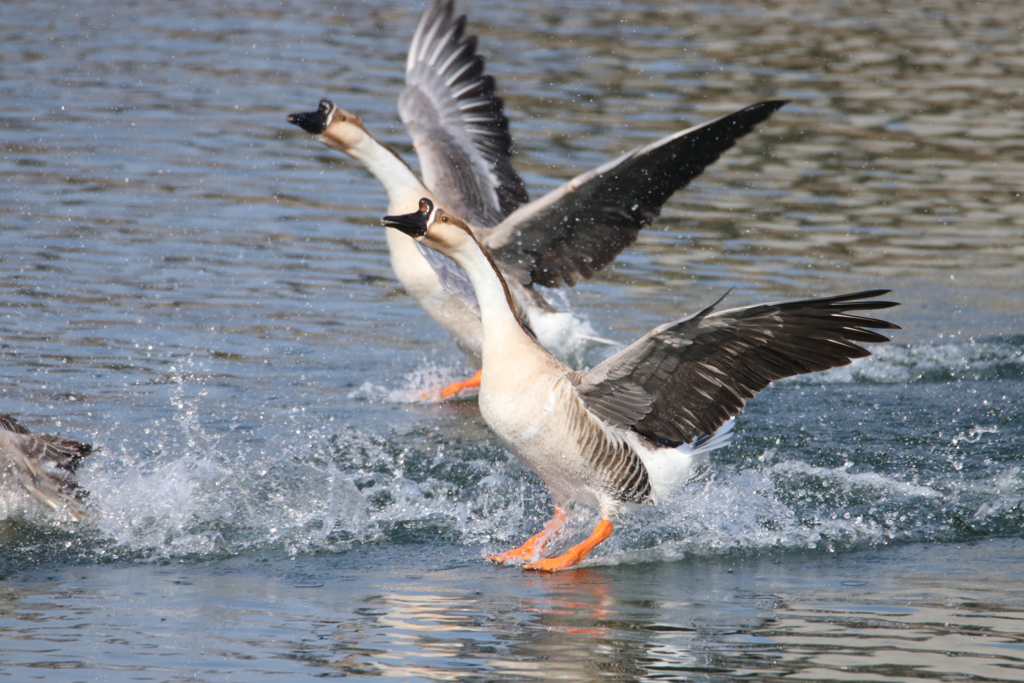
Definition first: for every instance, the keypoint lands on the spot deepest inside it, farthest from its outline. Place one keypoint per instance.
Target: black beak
(314, 122)
(412, 224)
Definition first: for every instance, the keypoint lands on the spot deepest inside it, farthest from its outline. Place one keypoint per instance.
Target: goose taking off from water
(42, 465)
(608, 436)
(461, 137)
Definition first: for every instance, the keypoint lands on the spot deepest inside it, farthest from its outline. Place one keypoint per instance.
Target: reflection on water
(913, 613)
(926, 640)
(877, 618)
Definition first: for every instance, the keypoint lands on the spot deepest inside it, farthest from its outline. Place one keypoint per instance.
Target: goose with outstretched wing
(460, 135)
(628, 430)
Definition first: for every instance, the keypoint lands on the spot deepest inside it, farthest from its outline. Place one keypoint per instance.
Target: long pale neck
(503, 333)
(403, 187)
(404, 193)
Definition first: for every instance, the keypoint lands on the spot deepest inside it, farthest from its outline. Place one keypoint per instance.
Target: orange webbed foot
(576, 553)
(455, 389)
(524, 552)
(535, 544)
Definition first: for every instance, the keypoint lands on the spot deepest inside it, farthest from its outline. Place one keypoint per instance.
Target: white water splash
(302, 483)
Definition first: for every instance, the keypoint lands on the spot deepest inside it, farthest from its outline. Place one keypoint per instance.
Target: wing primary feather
(690, 376)
(577, 229)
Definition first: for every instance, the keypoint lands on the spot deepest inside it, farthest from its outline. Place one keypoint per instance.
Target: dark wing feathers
(457, 123)
(579, 228)
(460, 133)
(686, 378)
(10, 423)
(69, 452)
(44, 464)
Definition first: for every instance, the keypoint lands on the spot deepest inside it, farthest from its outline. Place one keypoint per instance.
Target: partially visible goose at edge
(460, 135)
(42, 466)
(609, 436)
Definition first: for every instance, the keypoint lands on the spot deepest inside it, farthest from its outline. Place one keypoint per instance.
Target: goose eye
(444, 219)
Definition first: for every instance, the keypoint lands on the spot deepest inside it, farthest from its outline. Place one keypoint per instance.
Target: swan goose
(607, 436)
(460, 135)
(41, 464)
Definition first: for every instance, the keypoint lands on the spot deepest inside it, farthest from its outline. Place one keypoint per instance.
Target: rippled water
(204, 292)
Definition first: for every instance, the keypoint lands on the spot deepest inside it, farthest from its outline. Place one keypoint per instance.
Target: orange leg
(575, 553)
(535, 544)
(456, 388)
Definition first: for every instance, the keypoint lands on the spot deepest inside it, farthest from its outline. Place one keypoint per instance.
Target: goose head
(331, 125)
(433, 227)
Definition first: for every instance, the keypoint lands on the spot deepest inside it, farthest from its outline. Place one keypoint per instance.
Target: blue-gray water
(203, 292)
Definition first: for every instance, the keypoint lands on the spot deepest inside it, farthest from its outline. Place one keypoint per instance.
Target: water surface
(204, 292)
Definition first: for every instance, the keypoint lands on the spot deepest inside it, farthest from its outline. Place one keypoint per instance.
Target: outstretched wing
(578, 229)
(457, 123)
(686, 378)
(42, 463)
